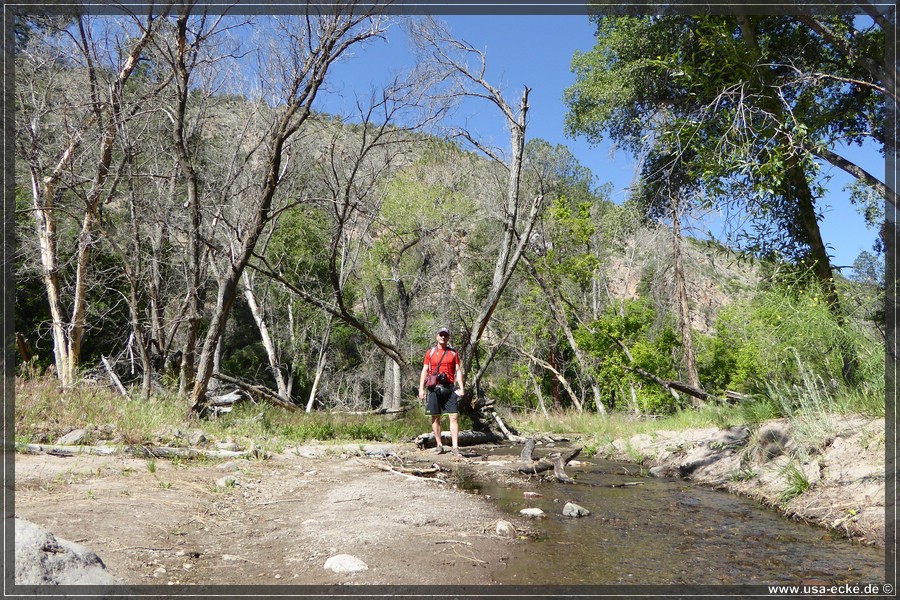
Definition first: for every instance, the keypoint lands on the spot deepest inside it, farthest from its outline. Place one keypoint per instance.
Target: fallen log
(466, 438)
(69, 450)
(260, 391)
(153, 451)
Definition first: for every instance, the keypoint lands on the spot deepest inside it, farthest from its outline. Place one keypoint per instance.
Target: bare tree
(518, 215)
(70, 118)
(306, 47)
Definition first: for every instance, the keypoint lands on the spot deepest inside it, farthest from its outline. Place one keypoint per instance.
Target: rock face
(43, 559)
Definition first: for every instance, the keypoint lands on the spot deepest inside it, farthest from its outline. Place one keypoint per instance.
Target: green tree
(749, 103)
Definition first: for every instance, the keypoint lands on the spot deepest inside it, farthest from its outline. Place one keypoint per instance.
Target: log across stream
(645, 530)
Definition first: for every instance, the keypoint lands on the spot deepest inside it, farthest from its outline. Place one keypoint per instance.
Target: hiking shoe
(456, 452)
(440, 450)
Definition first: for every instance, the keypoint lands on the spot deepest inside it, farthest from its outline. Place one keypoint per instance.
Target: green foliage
(651, 348)
(763, 339)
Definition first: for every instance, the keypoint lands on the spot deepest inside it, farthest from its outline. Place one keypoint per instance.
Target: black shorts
(441, 405)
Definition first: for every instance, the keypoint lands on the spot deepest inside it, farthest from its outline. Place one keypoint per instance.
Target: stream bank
(837, 484)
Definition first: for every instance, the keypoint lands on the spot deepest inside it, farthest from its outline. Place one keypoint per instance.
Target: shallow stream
(667, 532)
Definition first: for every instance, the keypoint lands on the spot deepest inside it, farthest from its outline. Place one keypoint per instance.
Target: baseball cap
(443, 330)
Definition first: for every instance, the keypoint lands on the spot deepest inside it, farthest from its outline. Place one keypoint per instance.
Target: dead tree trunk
(554, 460)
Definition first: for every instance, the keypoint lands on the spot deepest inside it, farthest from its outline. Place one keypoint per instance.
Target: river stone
(345, 563)
(532, 512)
(506, 529)
(573, 510)
(44, 559)
(533, 495)
(73, 438)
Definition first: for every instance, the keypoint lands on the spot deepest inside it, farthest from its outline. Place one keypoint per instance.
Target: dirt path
(165, 523)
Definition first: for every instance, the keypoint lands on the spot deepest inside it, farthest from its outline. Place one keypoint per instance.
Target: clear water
(667, 532)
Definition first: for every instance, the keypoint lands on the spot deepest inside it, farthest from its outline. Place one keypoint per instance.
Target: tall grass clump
(812, 405)
(43, 409)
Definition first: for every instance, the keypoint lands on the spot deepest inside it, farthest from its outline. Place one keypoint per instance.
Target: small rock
(658, 471)
(573, 510)
(228, 446)
(345, 563)
(73, 438)
(197, 438)
(229, 466)
(506, 529)
(226, 482)
(533, 495)
(532, 512)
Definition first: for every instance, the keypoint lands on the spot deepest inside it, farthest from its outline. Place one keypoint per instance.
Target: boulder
(43, 559)
(532, 512)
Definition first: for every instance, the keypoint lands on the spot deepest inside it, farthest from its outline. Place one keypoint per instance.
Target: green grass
(797, 483)
(43, 409)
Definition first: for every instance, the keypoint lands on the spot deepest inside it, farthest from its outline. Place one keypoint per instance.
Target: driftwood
(154, 451)
(554, 461)
(466, 438)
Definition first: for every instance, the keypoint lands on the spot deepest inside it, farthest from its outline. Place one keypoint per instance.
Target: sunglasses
(446, 335)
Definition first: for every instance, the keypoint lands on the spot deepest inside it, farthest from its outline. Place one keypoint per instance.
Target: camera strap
(437, 369)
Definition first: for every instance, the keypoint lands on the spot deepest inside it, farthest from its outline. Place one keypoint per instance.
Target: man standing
(440, 371)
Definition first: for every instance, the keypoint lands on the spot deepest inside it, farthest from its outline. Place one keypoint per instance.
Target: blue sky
(536, 51)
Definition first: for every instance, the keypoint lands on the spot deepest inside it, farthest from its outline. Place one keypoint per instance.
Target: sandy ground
(278, 524)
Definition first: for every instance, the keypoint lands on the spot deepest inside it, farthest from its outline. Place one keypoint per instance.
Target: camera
(442, 379)
(442, 390)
